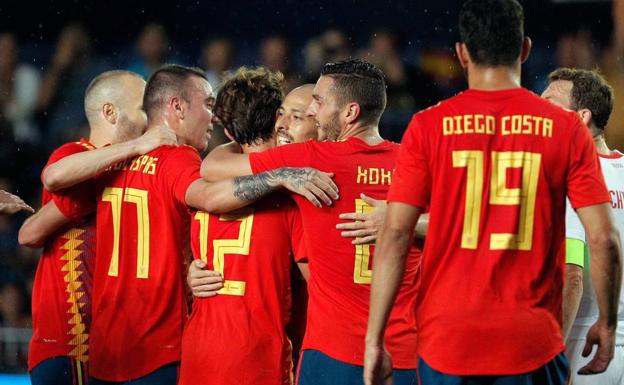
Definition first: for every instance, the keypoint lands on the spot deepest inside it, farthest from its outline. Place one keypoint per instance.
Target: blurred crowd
(41, 106)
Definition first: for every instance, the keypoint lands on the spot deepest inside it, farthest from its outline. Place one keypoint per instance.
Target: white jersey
(613, 171)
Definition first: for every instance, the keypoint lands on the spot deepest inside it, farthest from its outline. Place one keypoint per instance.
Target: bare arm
(231, 194)
(572, 293)
(38, 227)
(225, 161)
(393, 244)
(83, 166)
(304, 269)
(10, 204)
(605, 268)
(365, 225)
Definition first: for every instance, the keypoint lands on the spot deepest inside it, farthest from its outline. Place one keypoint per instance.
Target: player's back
(500, 163)
(340, 272)
(238, 336)
(61, 296)
(142, 229)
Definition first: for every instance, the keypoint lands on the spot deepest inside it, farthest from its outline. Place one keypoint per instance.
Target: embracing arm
(39, 226)
(85, 165)
(225, 161)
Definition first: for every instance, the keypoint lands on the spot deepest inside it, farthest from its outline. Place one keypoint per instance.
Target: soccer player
(494, 164)
(348, 100)
(587, 93)
(142, 231)
(61, 303)
(239, 336)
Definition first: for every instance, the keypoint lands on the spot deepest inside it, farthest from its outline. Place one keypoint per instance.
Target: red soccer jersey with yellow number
(239, 336)
(495, 168)
(139, 304)
(340, 273)
(61, 296)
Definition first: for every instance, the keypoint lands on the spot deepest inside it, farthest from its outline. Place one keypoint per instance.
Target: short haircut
(589, 90)
(102, 84)
(247, 102)
(167, 81)
(359, 81)
(493, 31)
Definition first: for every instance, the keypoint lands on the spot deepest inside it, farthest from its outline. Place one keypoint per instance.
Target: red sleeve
(290, 155)
(411, 181)
(586, 185)
(179, 170)
(296, 236)
(76, 201)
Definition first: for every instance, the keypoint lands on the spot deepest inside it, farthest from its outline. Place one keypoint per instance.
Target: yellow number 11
(500, 194)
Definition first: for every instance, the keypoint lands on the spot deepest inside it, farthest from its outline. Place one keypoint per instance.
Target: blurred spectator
(216, 59)
(575, 50)
(333, 45)
(19, 86)
(612, 66)
(14, 321)
(153, 48)
(275, 55)
(63, 86)
(13, 309)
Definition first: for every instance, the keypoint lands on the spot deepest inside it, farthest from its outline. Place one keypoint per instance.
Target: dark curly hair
(493, 31)
(589, 90)
(359, 81)
(247, 102)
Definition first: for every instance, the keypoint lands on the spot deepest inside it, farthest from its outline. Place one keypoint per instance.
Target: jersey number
(239, 246)
(116, 195)
(361, 273)
(500, 194)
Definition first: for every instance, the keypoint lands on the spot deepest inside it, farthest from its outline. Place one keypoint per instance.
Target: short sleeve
(296, 236)
(586, 185)
(411, 181)
(65, 150)
(179, 170)
(290, 155)
(78, 201)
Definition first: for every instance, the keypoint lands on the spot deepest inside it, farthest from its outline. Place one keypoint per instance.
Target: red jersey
(340, 272)
(495, 168)
(61, 294)
(139, 305)
(239, 336)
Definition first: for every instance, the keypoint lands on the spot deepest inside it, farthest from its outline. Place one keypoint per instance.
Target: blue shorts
(555, 372)
(59, 371)
(165, 375)
(316, 368)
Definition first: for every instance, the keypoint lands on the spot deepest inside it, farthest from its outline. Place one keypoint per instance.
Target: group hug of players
(480, 304)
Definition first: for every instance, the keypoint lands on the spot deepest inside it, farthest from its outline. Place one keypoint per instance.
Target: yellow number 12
(500, 194)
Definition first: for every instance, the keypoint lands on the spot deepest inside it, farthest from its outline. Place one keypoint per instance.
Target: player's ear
(462, 54)
(176, 105)
(526, 49)
(586, 115)
(352, 112)
(227, 133)
(109, 112)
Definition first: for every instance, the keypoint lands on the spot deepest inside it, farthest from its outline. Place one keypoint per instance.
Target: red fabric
(338, 306)
(138, 316)
(486, 311)
(241, 339)
(61, 296)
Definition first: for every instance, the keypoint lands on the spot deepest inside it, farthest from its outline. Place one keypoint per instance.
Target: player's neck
(247, 149)
(493, 78)
(98, 136)
(369, 134)
(601, 145)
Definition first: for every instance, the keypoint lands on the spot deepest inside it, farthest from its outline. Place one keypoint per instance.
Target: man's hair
(247, 103)
(589, 90)
(167, 81)
(359, 81)
(104, 84)
(493, 31)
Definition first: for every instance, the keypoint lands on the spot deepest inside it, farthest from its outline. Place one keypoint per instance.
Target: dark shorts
(165, 375)
(59, 371)
(555, 372)
(316, 368)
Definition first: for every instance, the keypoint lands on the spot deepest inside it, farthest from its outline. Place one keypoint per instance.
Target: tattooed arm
(231, 194)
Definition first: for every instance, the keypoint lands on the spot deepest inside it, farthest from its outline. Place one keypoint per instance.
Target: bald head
(114, 106)
(293, 125)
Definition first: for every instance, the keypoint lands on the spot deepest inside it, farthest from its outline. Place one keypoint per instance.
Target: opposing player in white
(588, 93)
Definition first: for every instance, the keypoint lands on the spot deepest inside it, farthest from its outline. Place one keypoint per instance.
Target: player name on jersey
(617, 199)
(144, 163)
(373, 176)
(489, 125)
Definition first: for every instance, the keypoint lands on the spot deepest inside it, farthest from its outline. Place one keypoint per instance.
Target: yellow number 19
(500, 194)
